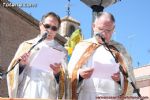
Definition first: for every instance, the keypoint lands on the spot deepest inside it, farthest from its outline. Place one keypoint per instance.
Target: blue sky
(132, 22)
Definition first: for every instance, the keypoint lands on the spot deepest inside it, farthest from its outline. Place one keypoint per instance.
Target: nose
(50, 31)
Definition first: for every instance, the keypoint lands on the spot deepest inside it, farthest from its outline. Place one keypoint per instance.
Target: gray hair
(105, 13)
(53, 15)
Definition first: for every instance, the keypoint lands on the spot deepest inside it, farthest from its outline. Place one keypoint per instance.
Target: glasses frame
(47, 26)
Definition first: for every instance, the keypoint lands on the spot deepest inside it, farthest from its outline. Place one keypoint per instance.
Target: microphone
(3, 74)
(101, 36)
(44, 36)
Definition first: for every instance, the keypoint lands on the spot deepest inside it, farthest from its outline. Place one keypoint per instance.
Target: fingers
(56, 68)
(57, 64)
(116, 76)
(89, 70)
(24, 58)
(86, 73)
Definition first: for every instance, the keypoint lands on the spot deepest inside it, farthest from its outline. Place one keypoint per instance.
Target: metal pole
(95, 10)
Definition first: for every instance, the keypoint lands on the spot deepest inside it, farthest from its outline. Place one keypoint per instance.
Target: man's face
(105, 26)
(49, 25)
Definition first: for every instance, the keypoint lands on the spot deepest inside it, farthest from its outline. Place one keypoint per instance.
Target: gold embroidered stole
(61, 84)
(122, 65)
(24, 48)
(124, 69)
(88, 52)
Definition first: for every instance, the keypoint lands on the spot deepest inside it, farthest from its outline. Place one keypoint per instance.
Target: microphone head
(101, 36)
(44, 36)
(2, 76)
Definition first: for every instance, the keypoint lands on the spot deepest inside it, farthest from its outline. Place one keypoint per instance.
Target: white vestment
(92, 88)
(32, 82)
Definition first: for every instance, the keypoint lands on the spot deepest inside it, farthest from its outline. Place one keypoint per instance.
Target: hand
(86, 73)
(24, 59)
(56, 68)
(116, 77)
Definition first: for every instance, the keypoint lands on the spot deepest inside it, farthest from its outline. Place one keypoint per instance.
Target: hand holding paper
(104, 71)
(46, 56)
(86, 72)
(116, 77)
(56, 68)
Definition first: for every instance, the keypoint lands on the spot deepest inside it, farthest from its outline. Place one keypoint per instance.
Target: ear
(93, 25)
(40, 25)
(114, 29)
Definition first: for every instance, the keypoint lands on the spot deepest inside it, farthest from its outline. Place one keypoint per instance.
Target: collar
(92, 40)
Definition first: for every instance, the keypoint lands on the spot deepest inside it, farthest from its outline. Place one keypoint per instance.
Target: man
(25, 81)
(90, 54)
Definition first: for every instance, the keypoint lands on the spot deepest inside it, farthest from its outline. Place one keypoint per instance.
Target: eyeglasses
(106, 30)
(53, 28)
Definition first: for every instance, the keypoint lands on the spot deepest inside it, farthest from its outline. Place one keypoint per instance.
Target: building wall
(66, 23)
(14, 29)
(142, 75)
(145, 91)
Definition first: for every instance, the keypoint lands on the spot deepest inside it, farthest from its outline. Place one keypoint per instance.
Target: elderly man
(92, 53)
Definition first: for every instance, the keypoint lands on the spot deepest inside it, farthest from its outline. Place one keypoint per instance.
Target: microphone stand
(121, 69)
(3, 74)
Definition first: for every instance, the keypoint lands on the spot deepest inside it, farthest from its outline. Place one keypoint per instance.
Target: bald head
(105, 18)
(104, 23)
(107, 15)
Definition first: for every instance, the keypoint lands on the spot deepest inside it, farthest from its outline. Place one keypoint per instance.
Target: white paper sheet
(104, 71)
(46, 56)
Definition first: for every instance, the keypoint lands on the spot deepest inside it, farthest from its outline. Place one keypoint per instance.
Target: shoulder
(120, 47)
(84, 43)
(26, 44)
(59, 47)
(31, 41)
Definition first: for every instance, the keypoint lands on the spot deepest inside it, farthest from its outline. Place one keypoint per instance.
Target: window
(71, 29)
